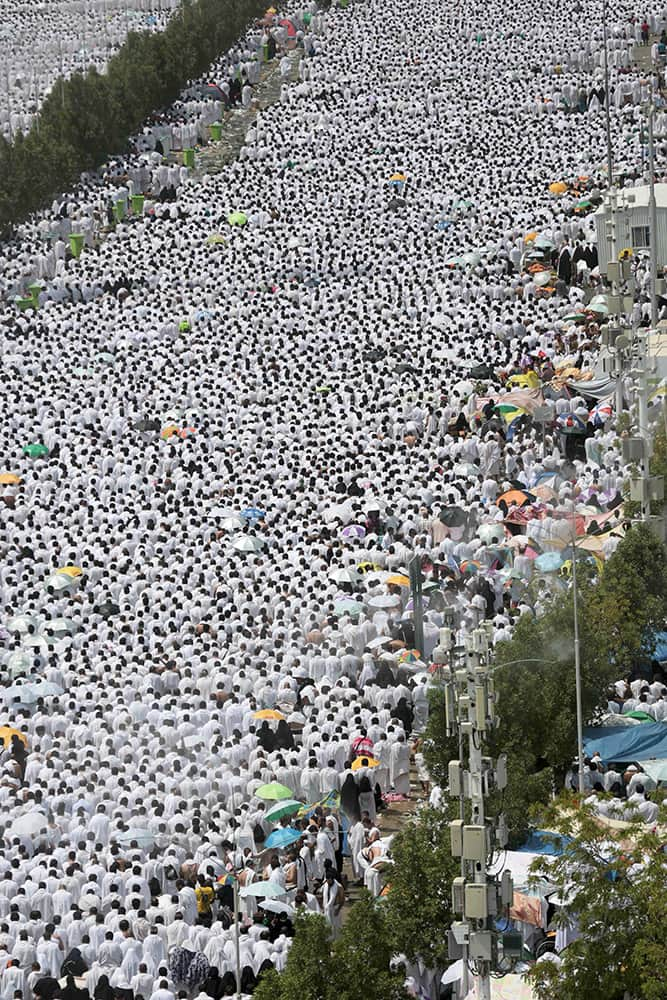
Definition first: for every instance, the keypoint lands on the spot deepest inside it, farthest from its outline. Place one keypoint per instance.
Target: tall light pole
(577, 656)
(653, 219)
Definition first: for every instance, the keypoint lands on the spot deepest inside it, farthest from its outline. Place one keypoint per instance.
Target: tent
(627, 743)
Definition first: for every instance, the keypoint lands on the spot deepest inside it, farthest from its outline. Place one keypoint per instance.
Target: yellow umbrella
(6, 733)
(72, 571)
(9, 478)
(529, 237)
(268, 713)
(399, 579)
(397, 177)
(169, 431)
(364, 762)
(558, 187)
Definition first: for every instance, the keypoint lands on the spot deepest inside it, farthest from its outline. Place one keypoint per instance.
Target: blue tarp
(627, 743)
(660, 651)
(545, 842)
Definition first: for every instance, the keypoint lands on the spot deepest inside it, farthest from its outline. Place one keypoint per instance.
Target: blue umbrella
(283, 838)
(571, 423)
(549, 562)
(253, 514)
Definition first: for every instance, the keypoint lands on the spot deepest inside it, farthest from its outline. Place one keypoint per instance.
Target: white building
(622, 221)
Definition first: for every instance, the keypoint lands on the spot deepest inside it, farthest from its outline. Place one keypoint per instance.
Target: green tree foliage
(616, 887)
(88, 117)
(630, 601)
(309, 968)
(418, 906)
(361, 956)
(356, 967)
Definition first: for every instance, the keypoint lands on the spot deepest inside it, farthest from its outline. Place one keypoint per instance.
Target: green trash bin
(25, 303)
(137, 204)
(216, 131)
(34, 289)
(119, 211)
(189, 157)
(76, 241)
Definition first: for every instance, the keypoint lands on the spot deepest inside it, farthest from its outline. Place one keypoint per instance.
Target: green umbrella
(286, 807)
(348, 608)
(215, 238)
(574, 318)
(274, 790)
(35, 450)
(237, 219)
(641, 716)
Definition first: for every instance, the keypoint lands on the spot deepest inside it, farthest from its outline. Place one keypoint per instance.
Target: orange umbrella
(529, 237)
(6, 733)
(398, 579)
(268, 713)
(9, 478)
(519, 498)
(558, 187)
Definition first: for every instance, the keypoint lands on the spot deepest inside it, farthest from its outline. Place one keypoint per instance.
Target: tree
(361, 956)
(309, 968)
(615, 884)
(88, 117)
(418, 908)
(630, 601)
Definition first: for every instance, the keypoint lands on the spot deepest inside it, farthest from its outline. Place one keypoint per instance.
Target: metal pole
(415, 569)
(607, 98)
(577, 656)
(653, 219)
(237, 945)
(476, 793)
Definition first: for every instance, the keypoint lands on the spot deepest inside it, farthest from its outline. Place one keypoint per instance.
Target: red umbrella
(291, 30)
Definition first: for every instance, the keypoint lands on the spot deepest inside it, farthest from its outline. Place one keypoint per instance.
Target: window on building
(641, 236)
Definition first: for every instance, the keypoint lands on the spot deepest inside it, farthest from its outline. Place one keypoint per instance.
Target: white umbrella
(39, 642)
(233, 523)
(60, 581)
(144, 838)
(28, 694)
(19, 662)
(379, 641)
(28, 825)
(490, 533)
(384, 601)
(277, 906)
(341, 575)
(268, 889)
(247, 543)
(22, 623)
(58, 628)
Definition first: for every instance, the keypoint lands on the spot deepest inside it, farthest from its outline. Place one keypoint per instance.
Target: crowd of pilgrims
(238, 433)
(40, 42)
